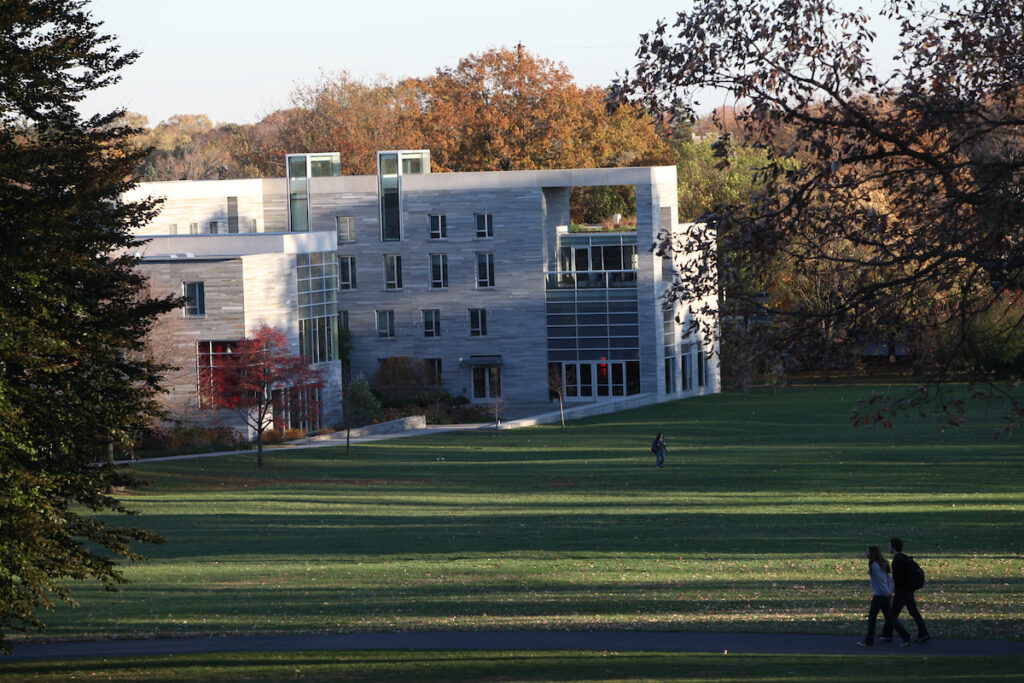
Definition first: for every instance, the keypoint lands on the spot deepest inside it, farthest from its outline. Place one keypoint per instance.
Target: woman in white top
(881, 592)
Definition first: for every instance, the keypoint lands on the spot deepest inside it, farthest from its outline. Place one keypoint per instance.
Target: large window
(346, 226)
(195, 298)
(431, 322)
(390, 207)
(346, 272)
(438, 226)
(438, 271)
(478, 322)
(298, 194)
(318, 339)
(385, 324)
(300, 168)
(486, 382)
(317, 277)
(485, 270)
(484, 225)
(433, 367)
(392, 271)
(210, 357)
(391, 166)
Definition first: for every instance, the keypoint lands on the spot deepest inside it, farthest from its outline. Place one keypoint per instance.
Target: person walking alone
(658, 448)
(903, 593)
(881, 591)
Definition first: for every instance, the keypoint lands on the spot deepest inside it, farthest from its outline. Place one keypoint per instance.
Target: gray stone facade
(529, 213)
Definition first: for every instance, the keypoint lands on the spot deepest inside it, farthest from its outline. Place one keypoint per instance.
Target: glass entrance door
(596, 380)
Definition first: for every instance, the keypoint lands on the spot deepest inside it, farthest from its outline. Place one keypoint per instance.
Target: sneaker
(865, 643)
(885, 639)
(905, 643)
(922, 639)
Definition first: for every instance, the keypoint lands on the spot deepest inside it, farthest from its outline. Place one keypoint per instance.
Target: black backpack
(915, 575)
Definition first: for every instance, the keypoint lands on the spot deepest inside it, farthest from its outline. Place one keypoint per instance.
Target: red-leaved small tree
(247, 378)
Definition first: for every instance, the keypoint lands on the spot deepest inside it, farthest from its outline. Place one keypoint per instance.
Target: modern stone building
(478, 274)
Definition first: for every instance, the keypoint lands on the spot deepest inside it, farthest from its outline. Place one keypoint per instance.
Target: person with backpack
(658, 448)
(881, 590)
(907, 577)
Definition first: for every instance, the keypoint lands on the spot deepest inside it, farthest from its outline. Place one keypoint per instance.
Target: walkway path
(340, 441)
(617, 641)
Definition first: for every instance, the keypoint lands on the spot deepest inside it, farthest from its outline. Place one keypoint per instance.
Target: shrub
(399, 379)
(182, 438)
(292, 434)
(361, 406)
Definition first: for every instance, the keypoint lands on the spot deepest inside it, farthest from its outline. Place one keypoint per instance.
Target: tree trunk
(348, 439)
(259, 450)
(561, 408)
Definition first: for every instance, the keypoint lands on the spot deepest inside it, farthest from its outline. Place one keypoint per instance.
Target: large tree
(73, 310)
(507, 109)
(918, 174)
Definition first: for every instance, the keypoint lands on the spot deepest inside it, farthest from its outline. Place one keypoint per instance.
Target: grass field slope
(757, 522)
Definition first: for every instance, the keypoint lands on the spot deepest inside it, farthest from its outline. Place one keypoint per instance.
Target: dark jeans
(900, 599)
(660, 455)
(880, 603)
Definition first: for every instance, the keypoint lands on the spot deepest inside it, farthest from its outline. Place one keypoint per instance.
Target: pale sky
(238, 60)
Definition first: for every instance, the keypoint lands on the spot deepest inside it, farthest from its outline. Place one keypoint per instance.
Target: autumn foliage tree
(506, 109)
(918, 175)
(259, 374)
(502, 109)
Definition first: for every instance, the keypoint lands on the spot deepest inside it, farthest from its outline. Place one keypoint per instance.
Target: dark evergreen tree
(73, 310)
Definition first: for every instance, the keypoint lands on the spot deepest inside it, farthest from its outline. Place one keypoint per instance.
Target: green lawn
(757, 523)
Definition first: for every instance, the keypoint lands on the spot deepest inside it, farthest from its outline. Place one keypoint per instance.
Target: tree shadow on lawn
(525, 666)
(391, 530)
(437, 603)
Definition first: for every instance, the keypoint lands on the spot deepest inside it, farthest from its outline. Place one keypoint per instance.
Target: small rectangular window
(702, 369)
(484, 225)
(392, 271)
(193, 228)
(213, 227)
(195, 298)
(438, 271)
(252, 225)
(431, 322)
(343, 320)
(346, 228)
(485, 270)
(438, 226)
(346, 272)
(385, 324)
(172, 229)
(478, 322)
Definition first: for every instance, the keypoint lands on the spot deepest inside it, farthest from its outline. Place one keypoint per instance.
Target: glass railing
(590, 279)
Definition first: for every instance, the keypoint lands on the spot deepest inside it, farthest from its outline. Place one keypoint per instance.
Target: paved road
(618, 641)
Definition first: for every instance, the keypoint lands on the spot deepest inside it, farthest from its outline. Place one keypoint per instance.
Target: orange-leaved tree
(260, 371)
(506, 109)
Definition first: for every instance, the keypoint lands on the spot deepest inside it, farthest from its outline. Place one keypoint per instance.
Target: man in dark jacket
(903, 594)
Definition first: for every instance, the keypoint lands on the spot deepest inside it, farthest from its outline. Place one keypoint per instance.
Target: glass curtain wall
(391, 166)
(302, 167)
